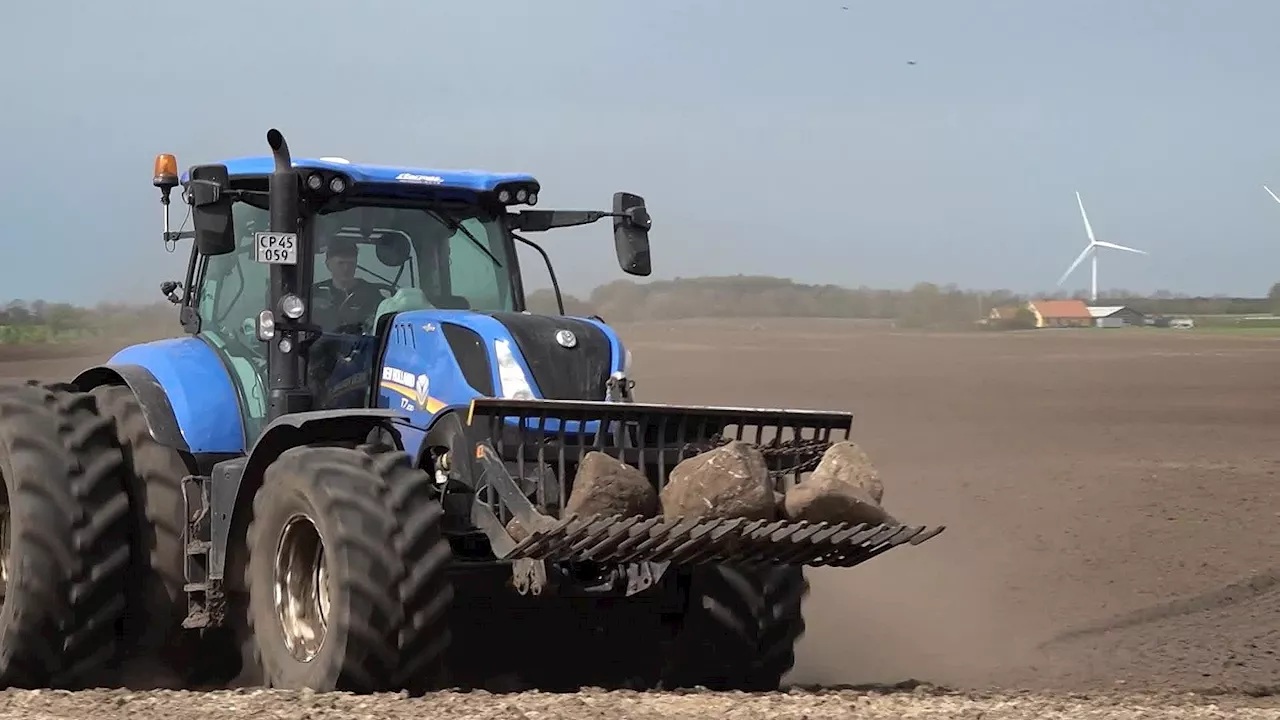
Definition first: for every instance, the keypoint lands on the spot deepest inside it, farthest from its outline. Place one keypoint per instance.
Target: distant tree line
(926, 305)
(39, 321)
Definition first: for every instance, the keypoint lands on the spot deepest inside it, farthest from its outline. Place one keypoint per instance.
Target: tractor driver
(344, 302)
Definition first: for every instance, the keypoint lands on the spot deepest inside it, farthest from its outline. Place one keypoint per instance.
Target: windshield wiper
(452, 223)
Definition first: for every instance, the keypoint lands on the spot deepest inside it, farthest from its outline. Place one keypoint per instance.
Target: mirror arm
(555, 284)
(543, 220)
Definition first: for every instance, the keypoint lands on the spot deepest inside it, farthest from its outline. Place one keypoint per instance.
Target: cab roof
(475, 180)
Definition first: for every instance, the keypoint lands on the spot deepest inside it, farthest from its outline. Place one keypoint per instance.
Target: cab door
(232, 291)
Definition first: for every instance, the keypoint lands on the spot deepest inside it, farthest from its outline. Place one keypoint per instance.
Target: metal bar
(768, 416)
(670, 457)
(618, 539)
(497, 478)
(500, 542)
(628, 535)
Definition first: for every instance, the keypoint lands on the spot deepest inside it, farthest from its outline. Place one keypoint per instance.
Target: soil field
(1112, 507)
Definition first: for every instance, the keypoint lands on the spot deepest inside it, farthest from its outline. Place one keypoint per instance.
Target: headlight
(514, 384)
(266, 325)
(292, 306)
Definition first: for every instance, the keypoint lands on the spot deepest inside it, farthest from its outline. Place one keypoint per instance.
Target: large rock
(605, 485)
(728, 482)
(833, 503)
(845, 462)
(845, 487)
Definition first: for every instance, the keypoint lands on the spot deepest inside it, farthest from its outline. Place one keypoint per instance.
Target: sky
(781, 138)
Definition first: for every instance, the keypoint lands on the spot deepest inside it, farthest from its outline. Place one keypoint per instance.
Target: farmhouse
(1061, 313)
(1005, 312)
(1116, 316)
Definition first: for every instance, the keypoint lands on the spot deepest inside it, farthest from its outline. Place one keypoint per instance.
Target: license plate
(275, 248)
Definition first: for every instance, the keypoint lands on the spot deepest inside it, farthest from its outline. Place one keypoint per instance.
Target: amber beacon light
(166, 171)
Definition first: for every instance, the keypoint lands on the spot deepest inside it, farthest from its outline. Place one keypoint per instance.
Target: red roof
(1069, 309)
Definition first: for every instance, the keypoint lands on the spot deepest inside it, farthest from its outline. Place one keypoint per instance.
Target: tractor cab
(298, 265)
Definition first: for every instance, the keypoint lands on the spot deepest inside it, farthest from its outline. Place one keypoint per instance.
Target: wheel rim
(301, 588)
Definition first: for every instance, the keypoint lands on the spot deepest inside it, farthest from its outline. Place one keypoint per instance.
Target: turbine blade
(1113, 246)
(1079, 259)
(1273, 195)
(1087, 227)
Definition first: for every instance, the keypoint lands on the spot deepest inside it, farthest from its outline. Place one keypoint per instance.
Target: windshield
(385, 258)
(458, 259)
(369, 261)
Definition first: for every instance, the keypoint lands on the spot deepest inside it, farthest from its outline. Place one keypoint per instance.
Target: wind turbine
(1273, 195)
(1092, 249)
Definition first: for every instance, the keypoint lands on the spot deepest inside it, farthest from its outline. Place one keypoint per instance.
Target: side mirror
(211, 209)
(631, 233)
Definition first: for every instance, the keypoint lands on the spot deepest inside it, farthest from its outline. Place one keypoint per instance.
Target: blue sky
(768, 137)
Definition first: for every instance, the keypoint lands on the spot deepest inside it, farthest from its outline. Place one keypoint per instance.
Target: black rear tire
(375, 613)
(739, 629)
(153, 475)
(68, 541)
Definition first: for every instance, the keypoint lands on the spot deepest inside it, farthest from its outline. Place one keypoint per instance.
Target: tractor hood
(436, 359)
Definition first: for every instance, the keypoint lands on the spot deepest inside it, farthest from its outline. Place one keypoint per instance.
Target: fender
(195, 385)
(448, 429)
(162, 422)
(235, 482)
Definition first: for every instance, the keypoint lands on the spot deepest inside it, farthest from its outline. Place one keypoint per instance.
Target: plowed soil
(1113, 524)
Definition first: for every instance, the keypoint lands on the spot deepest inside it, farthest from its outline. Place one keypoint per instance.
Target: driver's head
(340, 258)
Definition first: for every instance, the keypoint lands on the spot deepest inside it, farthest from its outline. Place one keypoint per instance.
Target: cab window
(235, 286)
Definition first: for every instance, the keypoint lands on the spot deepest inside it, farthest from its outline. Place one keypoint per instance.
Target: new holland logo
(397, 376)
(421, 388)
(566, 338)
(408, 384)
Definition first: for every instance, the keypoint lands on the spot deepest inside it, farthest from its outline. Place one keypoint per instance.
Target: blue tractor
(351, 472)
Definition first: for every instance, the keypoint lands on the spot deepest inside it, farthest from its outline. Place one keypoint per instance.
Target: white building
(1114, 316)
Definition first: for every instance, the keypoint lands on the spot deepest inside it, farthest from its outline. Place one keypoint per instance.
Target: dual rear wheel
(91, 556)
(65, 551)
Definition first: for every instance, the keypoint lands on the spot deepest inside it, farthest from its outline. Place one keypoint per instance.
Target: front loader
(367, 466)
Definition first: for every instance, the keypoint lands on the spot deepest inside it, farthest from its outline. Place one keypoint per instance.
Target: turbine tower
(1092, 249)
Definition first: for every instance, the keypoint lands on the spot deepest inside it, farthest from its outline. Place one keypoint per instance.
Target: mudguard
(186, 394)
(237, 481)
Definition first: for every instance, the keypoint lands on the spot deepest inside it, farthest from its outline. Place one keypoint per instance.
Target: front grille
(577, 373)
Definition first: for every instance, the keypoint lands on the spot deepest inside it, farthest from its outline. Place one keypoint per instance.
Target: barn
(1111, 316)
(1062, 313)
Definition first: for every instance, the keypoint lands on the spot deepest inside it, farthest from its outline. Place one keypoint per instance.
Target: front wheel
(323, 569)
